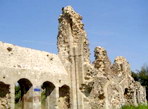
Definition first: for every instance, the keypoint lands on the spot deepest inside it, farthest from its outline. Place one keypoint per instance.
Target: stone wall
(111, 86)
(4, 96)
(68, 80)
(97, 85)
(18, 63)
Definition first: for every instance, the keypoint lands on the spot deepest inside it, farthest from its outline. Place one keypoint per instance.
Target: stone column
(52, 100)
(73, 91)
(36, 98)
(79, 76)
(56, 97)
(12, 96)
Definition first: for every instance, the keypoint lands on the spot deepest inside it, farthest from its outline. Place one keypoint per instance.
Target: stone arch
(4, 95)
(114, 96)
(64, 97)
(23, 94)
(130, 96)
(130, 93)
(48, 95)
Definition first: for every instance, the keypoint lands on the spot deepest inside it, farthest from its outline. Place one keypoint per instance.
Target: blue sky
(120, 26)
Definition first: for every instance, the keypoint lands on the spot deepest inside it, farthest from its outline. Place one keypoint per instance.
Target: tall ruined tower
(73, 51)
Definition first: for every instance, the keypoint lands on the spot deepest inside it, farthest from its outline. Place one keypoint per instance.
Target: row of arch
(26, 96)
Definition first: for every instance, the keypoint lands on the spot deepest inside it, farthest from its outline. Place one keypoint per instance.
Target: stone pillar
(27, 100)
(79, 75)
(52, 100)
(12, 96)
(37, 98)
(73, 90)
(56, 97)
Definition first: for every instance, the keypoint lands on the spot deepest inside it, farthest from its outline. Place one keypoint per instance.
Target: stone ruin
(68, 80)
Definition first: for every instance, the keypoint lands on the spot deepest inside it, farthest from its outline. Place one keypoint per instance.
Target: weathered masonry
(32, 79)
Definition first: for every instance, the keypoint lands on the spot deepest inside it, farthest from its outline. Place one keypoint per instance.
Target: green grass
(135, 107)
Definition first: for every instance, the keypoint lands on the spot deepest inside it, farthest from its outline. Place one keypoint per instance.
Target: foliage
(17, 93)
(135, 107)
(43, 97)
(142, 77)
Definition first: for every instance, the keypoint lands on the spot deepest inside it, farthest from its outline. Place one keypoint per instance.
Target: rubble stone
(71, 80)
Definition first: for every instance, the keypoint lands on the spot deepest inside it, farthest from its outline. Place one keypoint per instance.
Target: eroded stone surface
(5, 102)
(71, 34)
(101, 62)
(76, 82)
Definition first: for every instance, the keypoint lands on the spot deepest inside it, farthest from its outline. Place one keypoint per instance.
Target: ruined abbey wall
(29, 63)
(97, 85)
(67, 80)
(37, 67)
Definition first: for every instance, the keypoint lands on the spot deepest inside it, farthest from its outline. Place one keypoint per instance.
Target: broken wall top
(72, 35)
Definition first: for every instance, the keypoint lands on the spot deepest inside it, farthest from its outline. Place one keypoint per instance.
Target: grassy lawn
(135, 107)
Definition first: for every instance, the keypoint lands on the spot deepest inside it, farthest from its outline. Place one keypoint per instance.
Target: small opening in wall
(4, 77)
(126, 91)
(101, 96)
(121, 66)
(9, 49)
(51, 59)
(19, 66)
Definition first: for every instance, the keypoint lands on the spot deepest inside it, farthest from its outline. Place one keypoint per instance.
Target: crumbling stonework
(5, 102)
(64, 97)
(4, 96)
(67, 80)
(101, 62)
(71, 34)
(102, 83)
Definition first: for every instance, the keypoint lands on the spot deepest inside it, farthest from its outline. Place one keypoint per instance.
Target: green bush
(135, 107)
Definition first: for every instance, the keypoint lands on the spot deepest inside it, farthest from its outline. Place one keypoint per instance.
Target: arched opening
(126, 92)
(129, 93)
(4, 96)
(64, 97)
(48, 95)
(23, 94)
